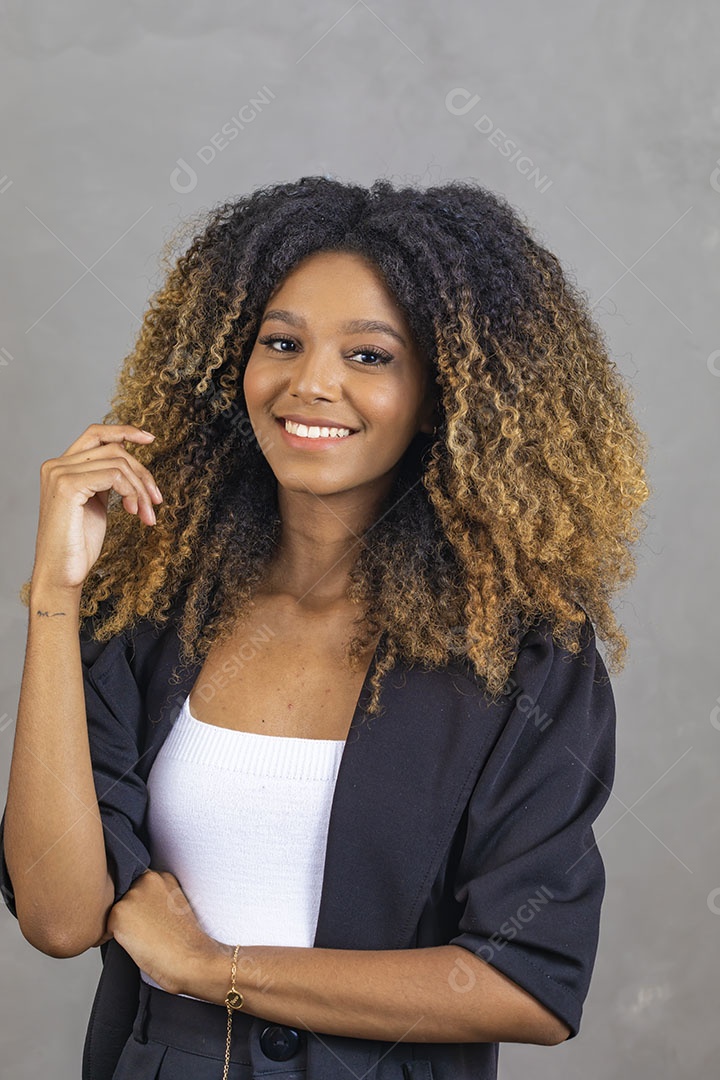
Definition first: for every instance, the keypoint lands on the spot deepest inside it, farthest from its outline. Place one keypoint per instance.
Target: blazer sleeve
(114, 715)
(6, 887)
(530, 875)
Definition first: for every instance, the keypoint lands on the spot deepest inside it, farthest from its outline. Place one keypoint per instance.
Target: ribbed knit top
(241, 820)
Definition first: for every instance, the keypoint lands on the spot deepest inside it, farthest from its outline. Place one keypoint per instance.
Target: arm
(400, 995)
(531, 876)
(413, 994)
(53, 834)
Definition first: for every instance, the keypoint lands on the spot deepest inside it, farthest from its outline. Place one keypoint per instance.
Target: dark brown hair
(523, 506)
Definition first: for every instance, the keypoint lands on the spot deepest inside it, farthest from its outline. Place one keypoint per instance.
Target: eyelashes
(382, 356)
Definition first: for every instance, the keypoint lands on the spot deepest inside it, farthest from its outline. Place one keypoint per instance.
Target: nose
(316, 374)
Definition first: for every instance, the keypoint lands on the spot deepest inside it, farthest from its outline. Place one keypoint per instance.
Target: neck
(319, 545)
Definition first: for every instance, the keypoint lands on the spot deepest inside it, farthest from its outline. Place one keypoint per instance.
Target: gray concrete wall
(112, 115)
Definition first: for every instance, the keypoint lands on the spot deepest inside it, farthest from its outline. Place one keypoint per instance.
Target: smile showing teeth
(306, 432)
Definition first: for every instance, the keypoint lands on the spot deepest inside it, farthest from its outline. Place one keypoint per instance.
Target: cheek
(257, 382)
(391, 411)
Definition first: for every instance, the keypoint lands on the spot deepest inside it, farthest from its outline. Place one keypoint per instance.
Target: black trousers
(178, 1038)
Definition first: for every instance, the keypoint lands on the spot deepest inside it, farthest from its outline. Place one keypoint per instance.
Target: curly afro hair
(522, 507)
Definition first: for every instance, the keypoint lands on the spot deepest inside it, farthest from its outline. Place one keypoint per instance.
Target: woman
(396, 479)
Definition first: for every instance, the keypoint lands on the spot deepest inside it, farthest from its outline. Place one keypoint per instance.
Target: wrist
(207, 974)
(44, 593)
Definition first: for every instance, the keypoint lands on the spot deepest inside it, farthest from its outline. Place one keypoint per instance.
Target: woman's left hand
(155, 924)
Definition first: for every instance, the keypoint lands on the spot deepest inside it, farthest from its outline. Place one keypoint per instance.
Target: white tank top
(241, 820)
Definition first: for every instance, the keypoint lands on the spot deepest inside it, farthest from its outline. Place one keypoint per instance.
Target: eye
(272, 338)
(382, 356)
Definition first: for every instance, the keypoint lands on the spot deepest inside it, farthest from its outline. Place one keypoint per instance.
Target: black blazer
(453, 821)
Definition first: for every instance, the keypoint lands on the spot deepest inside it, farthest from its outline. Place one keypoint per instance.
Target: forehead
(337, 279)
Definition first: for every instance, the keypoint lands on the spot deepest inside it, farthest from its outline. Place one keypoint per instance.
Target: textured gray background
(617, 106)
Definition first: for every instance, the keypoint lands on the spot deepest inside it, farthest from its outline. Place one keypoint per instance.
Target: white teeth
(315, 432)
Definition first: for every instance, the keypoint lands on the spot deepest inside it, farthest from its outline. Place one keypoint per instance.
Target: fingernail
(147, 432)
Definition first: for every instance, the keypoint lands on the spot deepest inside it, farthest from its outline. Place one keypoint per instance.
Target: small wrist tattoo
(48, 615)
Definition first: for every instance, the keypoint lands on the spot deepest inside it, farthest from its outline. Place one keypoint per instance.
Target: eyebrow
(355, 326)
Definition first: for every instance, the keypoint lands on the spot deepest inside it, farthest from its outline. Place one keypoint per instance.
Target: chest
(275, 678)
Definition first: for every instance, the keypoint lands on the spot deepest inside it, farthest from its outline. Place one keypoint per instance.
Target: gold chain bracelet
(233, 1000)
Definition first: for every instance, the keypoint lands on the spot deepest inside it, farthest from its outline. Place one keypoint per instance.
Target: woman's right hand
(73, 501)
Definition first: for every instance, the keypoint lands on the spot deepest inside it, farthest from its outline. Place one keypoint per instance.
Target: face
(311, 363)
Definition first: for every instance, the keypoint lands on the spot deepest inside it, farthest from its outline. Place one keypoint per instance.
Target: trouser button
(279, 1042)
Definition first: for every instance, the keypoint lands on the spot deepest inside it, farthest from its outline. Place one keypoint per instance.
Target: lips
(316, 421)
(318, 443)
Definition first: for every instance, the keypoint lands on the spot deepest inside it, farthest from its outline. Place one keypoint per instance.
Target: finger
(104, 452)
(100, 434)
(100, 476)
